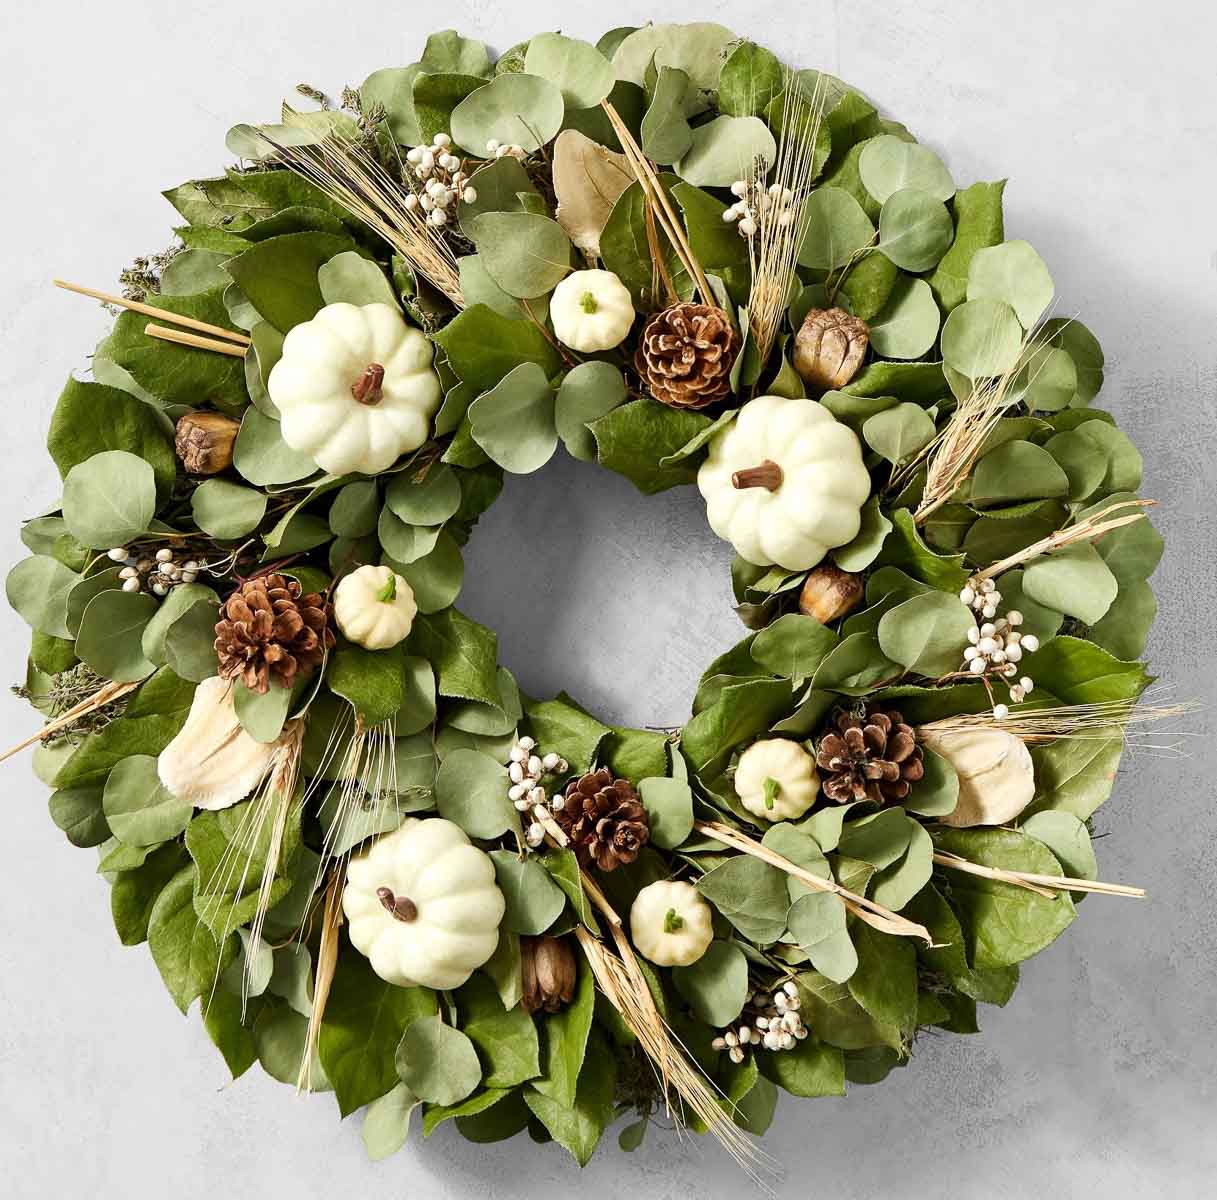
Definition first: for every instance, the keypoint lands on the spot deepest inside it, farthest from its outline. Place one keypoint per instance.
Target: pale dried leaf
(588, 178)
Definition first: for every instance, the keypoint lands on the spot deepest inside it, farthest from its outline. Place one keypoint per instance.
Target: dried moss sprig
(80, 702)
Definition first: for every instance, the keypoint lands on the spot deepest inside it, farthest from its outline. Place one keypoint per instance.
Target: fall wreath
(319, 797)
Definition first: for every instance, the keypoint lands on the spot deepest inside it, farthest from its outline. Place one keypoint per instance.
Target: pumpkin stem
(766, 474)
(400, 907)
(366, 389)
(588, 303)
(772, 791)
(389, 591)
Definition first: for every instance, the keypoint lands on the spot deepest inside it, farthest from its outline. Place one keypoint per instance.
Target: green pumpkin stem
(673, 922)
(389, 591)
(772, 788)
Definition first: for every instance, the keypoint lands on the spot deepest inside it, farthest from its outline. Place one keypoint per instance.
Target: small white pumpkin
(422, 905)
(776, 779)
(355, 388)
(374, 607)
(785, 483)
(671, 924)
(996, 774)
(591, 310)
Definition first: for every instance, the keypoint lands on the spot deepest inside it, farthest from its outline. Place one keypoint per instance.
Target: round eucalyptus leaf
(352, 279)
(262, 456)
(180, 598)
(581, 72)
(915, 229)
(139, 809)
(587, 392)
(355, 509)
(1084, 349)
(724, 149)
(190, 643)
(926, 633)
(716, 985)
(695, 47)
(525, 253)
(888, 164)
(1124, 464)
(111, 632)
(417, 710)
(109, 499)
(471, 791)
(534, 901)
(1015, 273)
(898, 433)
(436, 1062)
(281, 1038)
(427, 501)
(227, 510)
(751, 77)
(907, 324)
(516, 110)
(405, 543)
(436, 578)
(393, 89)
(836, 228)
(864, 549)
(262, 713)
(1075, 455)
(1047, 382)
(347, 821)
(514, 421)
(1067, 838)
(37, 588)
(1043, 622)
(982, 338)
(937, 791)
(897, 884)
(1074, 580)
(1016, 471)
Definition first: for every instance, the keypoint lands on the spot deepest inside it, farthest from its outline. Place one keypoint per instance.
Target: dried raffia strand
(658, 201)
(1042, 885)
(621, 980)
(875, 915)
(193, 340)
(106, 694)
(161, 314)
(1093, 527)
(327, 960)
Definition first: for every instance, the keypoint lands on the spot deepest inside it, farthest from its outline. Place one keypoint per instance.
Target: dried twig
(1041, 885)
(327, 961)
(161, 314)
(106, 694)
(181, 338)
(875, 915)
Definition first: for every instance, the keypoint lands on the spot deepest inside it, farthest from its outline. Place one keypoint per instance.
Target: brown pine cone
(267, 628)
(604, 820)
(686, 354)
(872, 757)
(549, 973)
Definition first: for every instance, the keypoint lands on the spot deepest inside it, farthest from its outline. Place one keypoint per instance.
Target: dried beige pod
(996, 775)
(204, 442)
(549, 971)
(829, 593)
(588, 179)
(829, 348)
(213, 762)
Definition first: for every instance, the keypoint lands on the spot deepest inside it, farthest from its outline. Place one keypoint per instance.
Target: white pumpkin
(422, 905)
(996, 774)
(374, 607)
(670, 923)
(355, 388)
(776, 779)
(785, 483)
(213, 763)
(591, 310)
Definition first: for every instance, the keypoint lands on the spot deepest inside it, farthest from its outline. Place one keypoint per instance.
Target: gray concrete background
(1098, 1078)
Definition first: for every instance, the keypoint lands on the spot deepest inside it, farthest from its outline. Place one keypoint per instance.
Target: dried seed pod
(204, 442)
(829, 593)
(829, 348)
(549, 973)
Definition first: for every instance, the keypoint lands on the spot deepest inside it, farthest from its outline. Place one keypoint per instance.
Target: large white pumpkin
(785, 483)
(422, 904)
(355, 388)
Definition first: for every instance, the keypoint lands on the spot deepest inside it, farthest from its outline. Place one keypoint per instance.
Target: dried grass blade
(181, 338)
(161, 314)
(1042, 885)
(104, 695)
(875, 915)
(327, 961)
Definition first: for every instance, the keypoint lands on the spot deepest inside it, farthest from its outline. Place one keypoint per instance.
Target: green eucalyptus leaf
(1016, 471)
(471, 791)
(982, 338)
(37, 588)
(109, 498)
(915, 229)
(978, 223)
(716, 985)
(1012, 272)
(837, 227)
(724, 149)
(261, 455)
(669, 805)
(898, 433)
(926, 633)
(534, 901)
(907, 324)
(751, 77)
(588, 392)
(436, 1062)
(521, 110)
(581, 72)
(373, 681)
(889, 164)
(349, 278)
(227, 510)
(111, 635)
(666, 133)
(514, 421)
(139, 810)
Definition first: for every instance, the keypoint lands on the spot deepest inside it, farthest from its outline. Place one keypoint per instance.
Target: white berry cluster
(156, 575)
(497, 149)
(995, 645)
(758, 204)
(442, 180)
(526, 769)
(776, 1024)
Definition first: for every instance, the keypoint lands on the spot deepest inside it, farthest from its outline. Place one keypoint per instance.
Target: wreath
(323, 802)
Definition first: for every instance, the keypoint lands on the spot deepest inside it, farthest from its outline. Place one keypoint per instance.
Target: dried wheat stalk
(1041, 885)
(104, 695)
(327, 961)
(875, 915)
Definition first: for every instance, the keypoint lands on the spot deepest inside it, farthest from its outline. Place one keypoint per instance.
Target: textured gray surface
(1098, 1078)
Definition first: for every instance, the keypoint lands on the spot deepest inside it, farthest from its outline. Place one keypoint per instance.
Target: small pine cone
(604, 820)
(549, 973)
(829, 348)
(267, 628)
(686, 354)
(871, 757)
